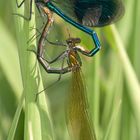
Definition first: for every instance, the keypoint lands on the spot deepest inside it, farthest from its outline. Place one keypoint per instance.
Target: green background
(111, 77)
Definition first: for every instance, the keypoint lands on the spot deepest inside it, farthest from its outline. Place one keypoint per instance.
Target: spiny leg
(54, 83)
(40, 48)
(59, 57)
(57, 43)
(35, 36)
(30, 9)
(19, 5)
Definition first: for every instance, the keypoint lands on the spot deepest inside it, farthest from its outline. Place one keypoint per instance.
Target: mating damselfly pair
(79, 13)
(93, 13)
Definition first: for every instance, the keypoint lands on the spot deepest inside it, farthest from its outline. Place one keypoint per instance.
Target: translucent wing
(79, 123)
(67, 7)
(93, 13)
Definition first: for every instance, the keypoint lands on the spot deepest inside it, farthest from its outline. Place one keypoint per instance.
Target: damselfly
(78, 118)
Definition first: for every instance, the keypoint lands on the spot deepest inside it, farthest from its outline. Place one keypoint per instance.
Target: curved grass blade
(37, 123)
(130, 75)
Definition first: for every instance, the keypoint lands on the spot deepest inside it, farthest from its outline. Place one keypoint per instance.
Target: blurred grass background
(112, 76)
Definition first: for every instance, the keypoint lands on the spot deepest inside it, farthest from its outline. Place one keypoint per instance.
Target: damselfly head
(73, 41)
(77, 40)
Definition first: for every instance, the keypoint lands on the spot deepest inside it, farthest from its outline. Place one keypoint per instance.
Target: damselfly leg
(30, 10)
(21, 3)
